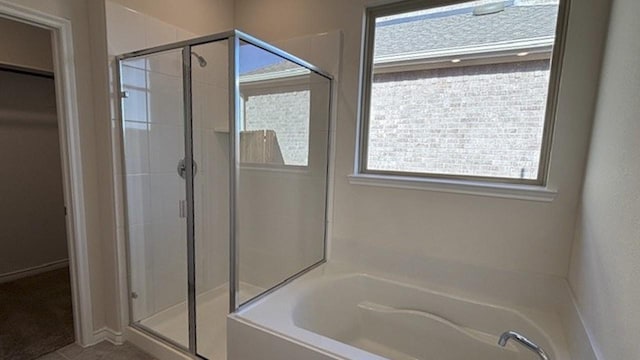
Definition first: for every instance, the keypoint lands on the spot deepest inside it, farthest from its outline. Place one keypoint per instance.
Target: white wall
(32, 226)
(605, 267)
(505, 234)
(25, 45)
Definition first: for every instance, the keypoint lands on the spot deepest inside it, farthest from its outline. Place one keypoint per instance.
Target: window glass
(461, 91)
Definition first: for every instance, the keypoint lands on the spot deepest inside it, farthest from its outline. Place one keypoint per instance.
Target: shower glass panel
(225, 151)
(154, 143)
(281, 196)
(210, 104)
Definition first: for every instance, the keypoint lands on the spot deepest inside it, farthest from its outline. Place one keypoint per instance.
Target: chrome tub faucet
(508, 335)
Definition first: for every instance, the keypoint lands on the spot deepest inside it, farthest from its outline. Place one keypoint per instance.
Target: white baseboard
(108, 334)
(35, 270)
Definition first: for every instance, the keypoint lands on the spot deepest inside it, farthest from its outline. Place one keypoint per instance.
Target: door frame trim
(71, 158)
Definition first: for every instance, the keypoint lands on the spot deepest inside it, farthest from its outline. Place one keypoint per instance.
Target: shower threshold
(212, 308)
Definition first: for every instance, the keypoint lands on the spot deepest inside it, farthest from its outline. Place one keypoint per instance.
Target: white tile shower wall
(210, 106)
(154, 143)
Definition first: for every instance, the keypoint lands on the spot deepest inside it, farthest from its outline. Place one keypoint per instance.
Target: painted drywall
(505, 234)
(197, 16)
(32, 230)
(605, 271)
(104, 196)
(25, 45)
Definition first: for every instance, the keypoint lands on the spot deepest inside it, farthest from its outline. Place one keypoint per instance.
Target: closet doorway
(36, 311)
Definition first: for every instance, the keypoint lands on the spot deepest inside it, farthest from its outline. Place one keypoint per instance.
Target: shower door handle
(182, 168)
(182, 204)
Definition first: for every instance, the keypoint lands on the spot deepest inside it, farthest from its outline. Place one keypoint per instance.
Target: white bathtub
(358, 316)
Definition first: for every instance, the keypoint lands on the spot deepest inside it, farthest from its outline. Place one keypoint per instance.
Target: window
(463, 91)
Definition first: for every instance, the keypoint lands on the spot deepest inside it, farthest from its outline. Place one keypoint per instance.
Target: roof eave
(539, 48)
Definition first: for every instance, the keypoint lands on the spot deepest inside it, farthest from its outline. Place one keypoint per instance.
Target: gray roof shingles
(430, 34)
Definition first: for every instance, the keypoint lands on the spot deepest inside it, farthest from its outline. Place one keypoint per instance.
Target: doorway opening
(36, 300)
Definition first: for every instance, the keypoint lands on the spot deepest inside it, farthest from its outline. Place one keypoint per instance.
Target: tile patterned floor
(102, 351)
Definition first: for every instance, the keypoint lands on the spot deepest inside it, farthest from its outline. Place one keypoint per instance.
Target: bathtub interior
(343, 312)
(399, 321)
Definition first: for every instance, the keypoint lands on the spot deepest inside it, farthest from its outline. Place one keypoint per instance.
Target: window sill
(478, 188)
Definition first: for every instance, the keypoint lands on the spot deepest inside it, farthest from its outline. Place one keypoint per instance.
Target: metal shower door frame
(234, 38)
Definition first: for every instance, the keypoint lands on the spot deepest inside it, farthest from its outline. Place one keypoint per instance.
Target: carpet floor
(36, 316)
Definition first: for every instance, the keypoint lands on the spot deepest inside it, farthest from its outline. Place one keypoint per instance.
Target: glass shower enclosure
(225, 163)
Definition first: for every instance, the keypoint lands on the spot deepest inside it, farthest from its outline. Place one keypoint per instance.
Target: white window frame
(534, 189)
